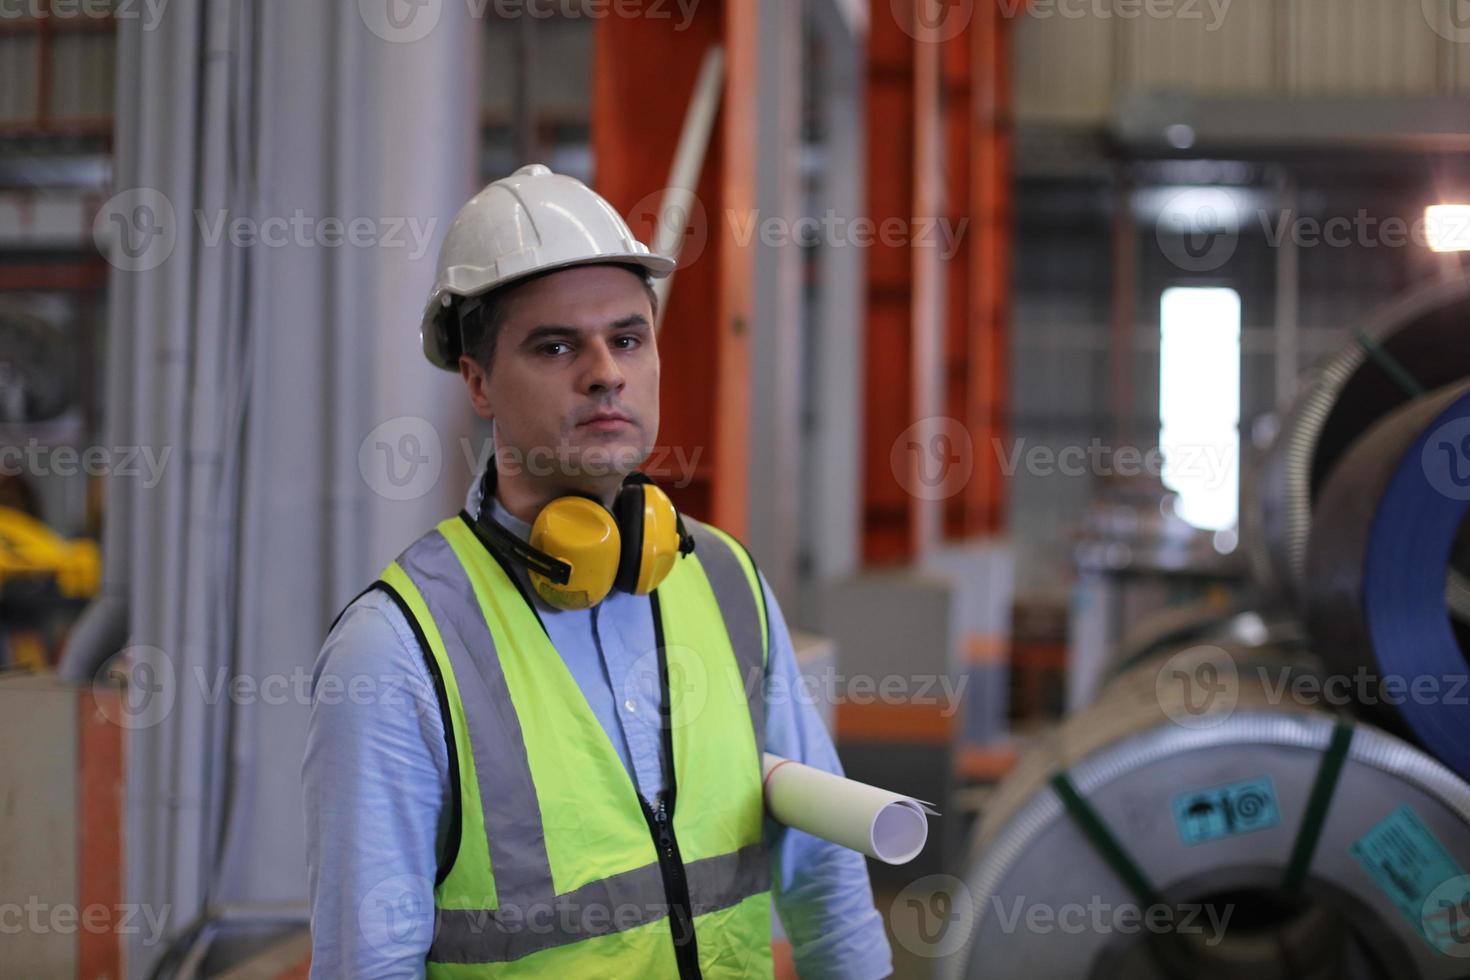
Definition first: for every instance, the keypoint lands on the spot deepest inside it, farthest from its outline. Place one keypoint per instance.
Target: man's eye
(627, 342)
(551, 348)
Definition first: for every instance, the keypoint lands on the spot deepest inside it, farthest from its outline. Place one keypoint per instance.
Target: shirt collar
(473, 503)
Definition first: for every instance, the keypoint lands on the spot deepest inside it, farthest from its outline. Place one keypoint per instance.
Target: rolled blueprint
(883, 825)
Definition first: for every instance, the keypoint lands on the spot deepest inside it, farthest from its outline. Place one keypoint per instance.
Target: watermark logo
(397, 914)
(1450, 19)
(135, 230)
(933, 916)
(1198, 687)
(934, 458)
(401, 458)
(1197, 229)
(684, 212)
(1446, 459)
(149, 687)
(688, 688)
(150, 12)
(1445, 917)
(934, 21)
(400, 21)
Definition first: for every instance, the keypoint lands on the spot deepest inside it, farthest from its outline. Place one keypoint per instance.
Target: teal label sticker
(1224, 811)
(1410, 866)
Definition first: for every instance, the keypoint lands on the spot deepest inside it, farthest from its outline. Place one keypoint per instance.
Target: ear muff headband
(628, 511)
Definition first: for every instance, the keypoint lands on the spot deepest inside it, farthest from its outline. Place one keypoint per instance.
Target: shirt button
(631, 705)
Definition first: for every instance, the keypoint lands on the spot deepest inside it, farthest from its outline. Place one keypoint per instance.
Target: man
(564, 778)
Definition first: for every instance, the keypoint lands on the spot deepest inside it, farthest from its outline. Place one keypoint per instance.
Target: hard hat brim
(440, 343)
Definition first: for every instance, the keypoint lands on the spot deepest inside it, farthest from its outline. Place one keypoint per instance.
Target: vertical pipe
(1125, 314)
(927, 303)
(1288, 292)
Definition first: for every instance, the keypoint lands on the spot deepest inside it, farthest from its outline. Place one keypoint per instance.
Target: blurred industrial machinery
(1288, 757)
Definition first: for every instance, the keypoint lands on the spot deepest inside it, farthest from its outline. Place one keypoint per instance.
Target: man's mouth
(605, 422)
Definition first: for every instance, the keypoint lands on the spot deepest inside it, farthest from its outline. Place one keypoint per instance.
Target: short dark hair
(480, 323)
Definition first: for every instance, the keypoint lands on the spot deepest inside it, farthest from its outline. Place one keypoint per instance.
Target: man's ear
(477, 382)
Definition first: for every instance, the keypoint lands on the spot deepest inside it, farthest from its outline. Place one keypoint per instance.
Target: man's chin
(599, 460)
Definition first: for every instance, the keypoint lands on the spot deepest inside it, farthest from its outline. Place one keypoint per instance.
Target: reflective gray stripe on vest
(623, 901)
(502, 767)
(742, 618)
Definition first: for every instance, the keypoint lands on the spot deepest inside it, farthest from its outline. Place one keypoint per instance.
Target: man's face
(575, 347)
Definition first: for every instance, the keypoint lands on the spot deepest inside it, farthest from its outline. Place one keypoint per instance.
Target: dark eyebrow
(558, 331)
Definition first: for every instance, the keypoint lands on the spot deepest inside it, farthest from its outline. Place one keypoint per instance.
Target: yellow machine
(32, 554)
(38, 567)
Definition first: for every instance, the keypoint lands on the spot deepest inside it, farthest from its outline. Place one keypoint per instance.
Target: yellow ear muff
(660, 539)
(583, 534)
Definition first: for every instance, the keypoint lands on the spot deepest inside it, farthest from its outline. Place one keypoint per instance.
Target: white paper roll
(883, 825)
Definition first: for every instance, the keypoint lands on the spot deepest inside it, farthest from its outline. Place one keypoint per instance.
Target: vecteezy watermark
(656, 216)
(137, 230)
(37, 917)
(1199, 229)
(934, 458)
(401, 458)
(1283, 685)
(1098, 916)
(686, 214)
(124, 462)
(302, 230)
(151, 685)
(1445, 917)
(150, 12)
(932, 917)
(672, 466)
(1198, 687)
(406, 21)
(399, 913)
(1211, 465)
(835, 230)
(937, 21)
(1446, 459)
(1450, 19)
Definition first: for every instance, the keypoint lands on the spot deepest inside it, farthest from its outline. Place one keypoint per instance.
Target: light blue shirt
(377, 793)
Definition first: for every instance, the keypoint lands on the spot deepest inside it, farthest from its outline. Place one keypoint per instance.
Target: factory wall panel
(1361, 47)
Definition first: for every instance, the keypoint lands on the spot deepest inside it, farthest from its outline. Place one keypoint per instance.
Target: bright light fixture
(1447, 227)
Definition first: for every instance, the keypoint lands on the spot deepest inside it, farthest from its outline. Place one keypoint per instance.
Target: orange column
(980, 309)
(888, 372)
(643, 78)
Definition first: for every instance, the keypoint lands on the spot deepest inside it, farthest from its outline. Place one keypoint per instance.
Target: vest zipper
(676, 886)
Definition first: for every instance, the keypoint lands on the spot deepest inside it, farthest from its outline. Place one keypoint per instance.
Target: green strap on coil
(1389, 363)
(1318, 803)
(1108, 846)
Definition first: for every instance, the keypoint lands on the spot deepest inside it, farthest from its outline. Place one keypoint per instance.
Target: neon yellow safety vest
(555, 864)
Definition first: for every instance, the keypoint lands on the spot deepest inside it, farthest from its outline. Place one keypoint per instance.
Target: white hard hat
(532, 221)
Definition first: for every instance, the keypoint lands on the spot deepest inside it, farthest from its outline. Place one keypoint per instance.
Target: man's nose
(603, 373)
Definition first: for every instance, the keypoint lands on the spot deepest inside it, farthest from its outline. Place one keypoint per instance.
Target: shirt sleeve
(822, 891)
(375, 785)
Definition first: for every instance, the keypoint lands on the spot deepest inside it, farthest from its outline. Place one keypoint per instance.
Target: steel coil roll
(1203, 622)
(1144, 761)
(1385, 531)
(1423, 335)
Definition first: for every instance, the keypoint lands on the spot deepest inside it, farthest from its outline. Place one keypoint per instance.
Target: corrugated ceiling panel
(1363, 47)
(17, 77)
(1063, 68)
(1214, 48)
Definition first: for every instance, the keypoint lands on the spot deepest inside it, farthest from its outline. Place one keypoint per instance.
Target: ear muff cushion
(628, 513)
